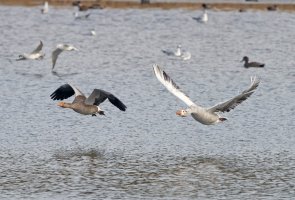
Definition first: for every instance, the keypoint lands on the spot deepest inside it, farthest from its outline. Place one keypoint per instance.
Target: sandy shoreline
(166, 5)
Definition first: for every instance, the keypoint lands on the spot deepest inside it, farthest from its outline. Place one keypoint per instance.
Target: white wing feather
(171, 86)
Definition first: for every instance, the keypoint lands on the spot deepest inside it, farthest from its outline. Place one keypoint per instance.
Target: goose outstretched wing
(98, 96)
(171, 86)
(233, 102)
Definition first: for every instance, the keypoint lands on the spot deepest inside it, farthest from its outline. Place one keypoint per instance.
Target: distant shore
(164, 5)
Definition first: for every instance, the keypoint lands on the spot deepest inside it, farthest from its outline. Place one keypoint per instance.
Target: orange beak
(61, 104)
(178, 112)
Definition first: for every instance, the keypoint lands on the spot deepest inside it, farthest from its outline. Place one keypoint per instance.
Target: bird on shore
(207, 116)
(82, 104)
(203, 18)
(248, 64)
(37, 54)
(45, 8)
(60, 48)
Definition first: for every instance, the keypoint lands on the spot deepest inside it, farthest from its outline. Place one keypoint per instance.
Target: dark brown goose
(83, 105)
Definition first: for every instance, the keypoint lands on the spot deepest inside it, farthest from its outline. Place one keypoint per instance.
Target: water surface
(147, 152)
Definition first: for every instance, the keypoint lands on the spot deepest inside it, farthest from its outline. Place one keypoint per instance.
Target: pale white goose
(207, 116)
(203, 18)
(34, 55)
(83, 105)
(60, 48)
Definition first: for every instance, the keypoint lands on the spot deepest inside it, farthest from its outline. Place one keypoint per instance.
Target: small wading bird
(207, 116)
(60, 48)
(83, 105)
(248, 64)
(37, 54)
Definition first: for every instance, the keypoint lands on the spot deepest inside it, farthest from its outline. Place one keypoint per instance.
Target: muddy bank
(164, 5)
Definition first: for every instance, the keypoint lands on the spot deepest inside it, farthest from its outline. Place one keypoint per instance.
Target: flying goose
(207, 116)
(35, 55)
(203, 18)
(248, 64)
(83, 105)
(60, 48)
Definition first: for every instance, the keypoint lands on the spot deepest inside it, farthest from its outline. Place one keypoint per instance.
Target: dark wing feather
(63, 92)
(39, 48)
(116, 102)
(256, 64)
(98, 96)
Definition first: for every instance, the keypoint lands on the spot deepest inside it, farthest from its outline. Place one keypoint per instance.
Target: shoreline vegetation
(248, 5)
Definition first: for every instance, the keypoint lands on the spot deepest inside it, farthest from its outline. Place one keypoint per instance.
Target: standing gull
(35, 55)
(60, 48)
(207, 116)
(83, 105)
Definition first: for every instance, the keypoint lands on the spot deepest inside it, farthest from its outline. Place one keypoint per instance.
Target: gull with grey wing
(34, 55)
(60, 48)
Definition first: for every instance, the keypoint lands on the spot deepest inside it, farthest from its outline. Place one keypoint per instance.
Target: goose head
(245, 58)
(182, 113)
(64, 104)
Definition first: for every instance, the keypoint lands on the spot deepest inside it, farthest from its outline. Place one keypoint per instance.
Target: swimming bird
(185, 55)
(207, 116)
(173, 53)
(45, 8)
(248, 64)
(203, 18)
(92, 32)
(82, 104)
(35, 55)
(60, 48)
(77, 16)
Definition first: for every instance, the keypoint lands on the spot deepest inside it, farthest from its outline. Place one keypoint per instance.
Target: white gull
(203, 18)
(45, 8)
(34, 55)
(60, 48)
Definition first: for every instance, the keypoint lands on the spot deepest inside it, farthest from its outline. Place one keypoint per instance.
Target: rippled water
(147, 152)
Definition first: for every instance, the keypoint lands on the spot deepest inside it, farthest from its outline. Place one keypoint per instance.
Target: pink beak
(178, 112)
